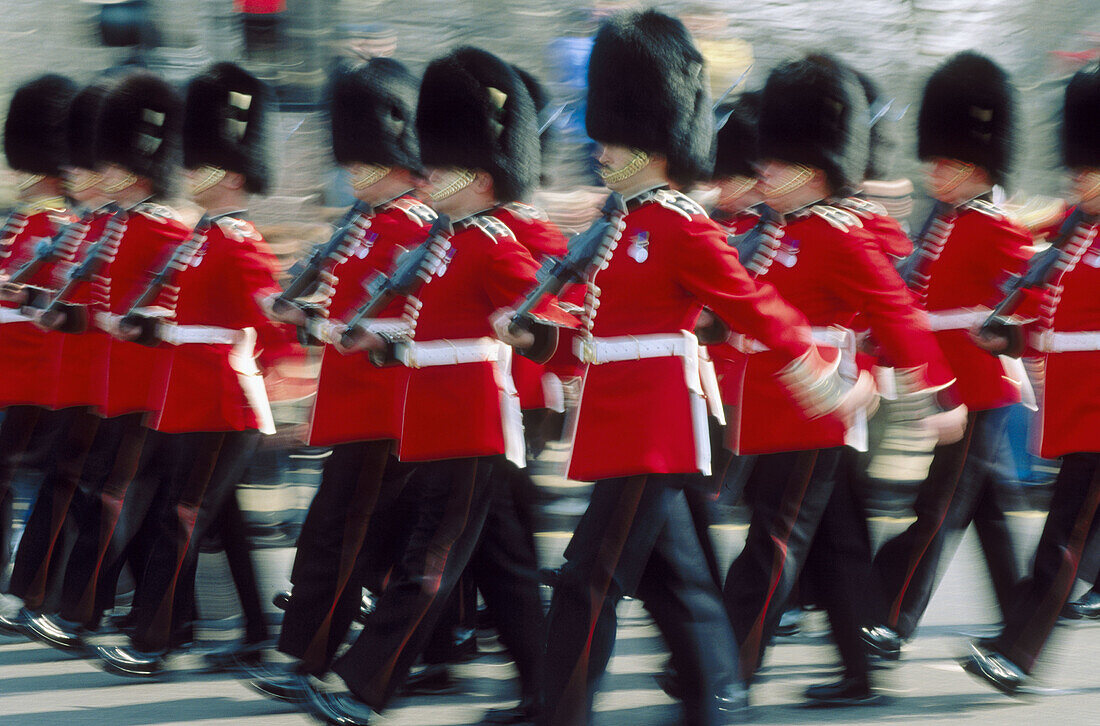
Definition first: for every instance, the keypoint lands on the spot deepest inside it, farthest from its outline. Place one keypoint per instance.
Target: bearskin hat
(814, 112)
(34, 131)
(648, 89)
(475, 112)
(82, 125)
(1081, 120)
(371, 108)
(967, 114)
(139, 128)
(737, 142)
(541, 98)
(225, 124)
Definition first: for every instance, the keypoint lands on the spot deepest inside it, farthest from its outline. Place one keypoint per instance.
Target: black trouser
(231, 529)
(788, 493)
(838, 568)
(961, 488)
(39, 559)
(111, 507)
(453, 500)
(359, 481)
(1039, 598)
(636, 538)
(195, 476)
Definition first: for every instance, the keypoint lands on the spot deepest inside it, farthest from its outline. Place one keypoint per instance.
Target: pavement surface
(42, 687)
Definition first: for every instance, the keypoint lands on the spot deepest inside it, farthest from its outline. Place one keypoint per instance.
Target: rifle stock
(93, 262)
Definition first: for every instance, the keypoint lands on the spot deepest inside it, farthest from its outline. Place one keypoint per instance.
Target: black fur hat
(648, 89)
(541, 98)
(1081, 120)
(34, 130)
(474, 112)
(225, 124)
(967, 114)
(82, 124)
(737, 142)
(139, 129)
(371, 110)
(814, 112)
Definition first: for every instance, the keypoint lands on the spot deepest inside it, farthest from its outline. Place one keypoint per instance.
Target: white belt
(1049, 341)
(11, 315)
(328, 330)
(832, 337)
(209, 334)
(957, 318)
(448, 352)
(631, 347)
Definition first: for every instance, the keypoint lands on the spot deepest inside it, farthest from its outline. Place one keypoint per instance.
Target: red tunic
(152, 232)
(729, 363)
(981, 252)
(81, 360)
(1070, 381)
(831, 269)
(643, 416)
(199, 386)
(456, 411)
(356, 400)
(542, 239)
(28, 370)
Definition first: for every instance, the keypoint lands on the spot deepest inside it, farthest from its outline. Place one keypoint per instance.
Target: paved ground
(40, 687)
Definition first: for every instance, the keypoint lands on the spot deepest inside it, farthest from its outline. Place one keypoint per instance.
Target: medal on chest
(445, 262)
(639, 247)
(364, 247)
(196, 259)
(787, 252)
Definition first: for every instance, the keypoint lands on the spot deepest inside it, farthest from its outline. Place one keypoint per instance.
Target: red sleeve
(709, 270)
(512, 275)
(257, 268)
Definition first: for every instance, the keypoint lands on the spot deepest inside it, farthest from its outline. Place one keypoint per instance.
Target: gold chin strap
(463, 178)
(206, 177)
(368, 174)
(124, 183)
(82, 182)
(638, 161)
(802, 175)
(1092, 186)
(961, 174)
(29, 180)
(741, 185)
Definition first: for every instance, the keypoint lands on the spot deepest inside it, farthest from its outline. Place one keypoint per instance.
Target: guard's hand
(507, 333)
(126, 331)
(862, 396)
(14, 293)
(359, 340)
(989, 341)
(283, 312)
(947, 426)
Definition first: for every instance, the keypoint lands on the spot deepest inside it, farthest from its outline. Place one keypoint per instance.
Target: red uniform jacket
(356, 400)
(28, 371)
(542, 239)
(152, 232)
(981, 252)
(201, 386)
(831, 269)
(1069, 382)
(469, 409)
(728, 361)
(646, 416)
(81, 360)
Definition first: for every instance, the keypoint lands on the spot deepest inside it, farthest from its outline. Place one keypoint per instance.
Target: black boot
(848, 691)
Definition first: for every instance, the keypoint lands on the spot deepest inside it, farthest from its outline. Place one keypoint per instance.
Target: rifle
(749, 243)
(907, 268)
(179, 259)
(1040, 270)
(67, 238)
(586, 250)
(349, 230)
(412, 270)
(59, 314)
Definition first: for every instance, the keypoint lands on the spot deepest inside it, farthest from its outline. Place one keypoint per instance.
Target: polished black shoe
(281, 599)
(291, 687)
(847, 691)
(126, 661)
(431, 680)
(995, 669)
(526, 713)
(16, 624)
(882, 642)
(234, 656)
(1087, 607)
(733, 701)
(342, 709)
(56, 633)
(790, 623)
(465, 646)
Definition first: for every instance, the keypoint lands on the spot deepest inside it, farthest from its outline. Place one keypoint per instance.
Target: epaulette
(678, 202)
(862, 208)
(843, 220)
(989, 209)
(156, 212)
(526, 211)
(493, 227)
(414, 209)
(237, 229)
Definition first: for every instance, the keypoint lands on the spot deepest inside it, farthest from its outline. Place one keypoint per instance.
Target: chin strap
(638, 161)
